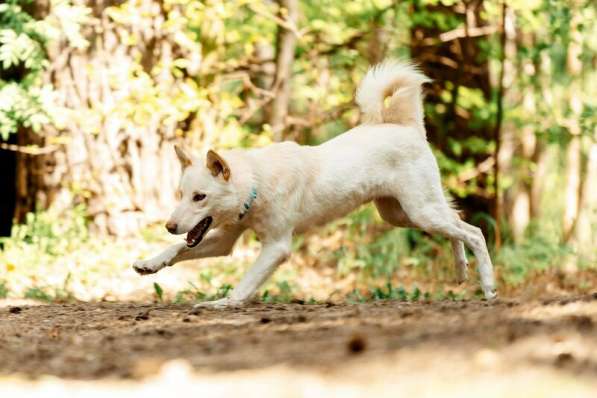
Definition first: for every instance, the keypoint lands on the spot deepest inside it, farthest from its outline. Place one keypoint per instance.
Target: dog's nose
(171, 227)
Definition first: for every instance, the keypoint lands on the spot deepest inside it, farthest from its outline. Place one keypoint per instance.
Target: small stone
(563, 359)
(357, 344)
(583, 323)
(265, 320)
(142, 316)
(15, 310)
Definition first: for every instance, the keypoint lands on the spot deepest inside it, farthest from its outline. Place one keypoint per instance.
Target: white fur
(386, 160)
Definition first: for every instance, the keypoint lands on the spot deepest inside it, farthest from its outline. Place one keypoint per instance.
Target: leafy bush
(24, 100)
(50, 233)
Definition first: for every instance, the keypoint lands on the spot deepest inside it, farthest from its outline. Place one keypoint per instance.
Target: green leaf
(159, 292)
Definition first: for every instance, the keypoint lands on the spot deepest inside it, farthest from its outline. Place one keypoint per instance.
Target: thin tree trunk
(586, 228)
(376, 50)
(497, 131)
(574, 150)
(285, 46)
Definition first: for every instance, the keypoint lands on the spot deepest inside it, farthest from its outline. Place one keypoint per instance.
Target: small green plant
(195, 294)
(159, 292)
(388, 292)
(222, 291)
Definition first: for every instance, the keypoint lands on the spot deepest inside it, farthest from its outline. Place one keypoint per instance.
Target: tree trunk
(377, 42)
(285, 46)
(119, 164)
(573, 187)
(32, 176)
(586, 228)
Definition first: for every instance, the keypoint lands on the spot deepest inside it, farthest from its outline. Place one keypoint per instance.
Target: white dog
(285, 188)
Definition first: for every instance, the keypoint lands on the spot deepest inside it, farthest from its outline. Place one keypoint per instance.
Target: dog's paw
(148, 266)
(217, 304)
(490, 294)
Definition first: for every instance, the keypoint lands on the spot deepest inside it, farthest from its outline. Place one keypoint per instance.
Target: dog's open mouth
(195, 235)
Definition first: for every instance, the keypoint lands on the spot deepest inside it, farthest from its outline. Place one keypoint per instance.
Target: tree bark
(285, 47)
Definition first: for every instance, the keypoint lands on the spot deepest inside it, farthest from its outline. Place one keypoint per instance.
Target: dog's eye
(198, 197)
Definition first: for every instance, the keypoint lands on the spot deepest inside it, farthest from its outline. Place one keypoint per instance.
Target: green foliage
(194, 294)
(208, 82)
(50, 295)
(284, 294)
(39, 294)
(539, 251)
(3, 290)
(388, 292)
(24, 100)
(49, 233)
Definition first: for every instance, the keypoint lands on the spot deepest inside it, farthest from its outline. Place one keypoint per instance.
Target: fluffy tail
(401, 81)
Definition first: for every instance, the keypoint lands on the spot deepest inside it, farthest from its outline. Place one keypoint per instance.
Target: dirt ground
(531, 346)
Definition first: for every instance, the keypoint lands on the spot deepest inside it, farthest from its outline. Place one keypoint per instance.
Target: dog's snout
(171, 227)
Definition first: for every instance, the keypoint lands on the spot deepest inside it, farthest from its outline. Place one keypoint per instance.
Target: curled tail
(401, 81)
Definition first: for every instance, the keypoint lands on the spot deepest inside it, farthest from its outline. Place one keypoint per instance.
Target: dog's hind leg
(461, 261)
(439, 218)
(217, 242)
(419, 191)
(390, 211)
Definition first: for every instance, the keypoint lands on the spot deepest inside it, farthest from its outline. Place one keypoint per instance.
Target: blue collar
(248, 203)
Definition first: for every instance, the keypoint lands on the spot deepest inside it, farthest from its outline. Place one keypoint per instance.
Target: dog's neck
(248, 203)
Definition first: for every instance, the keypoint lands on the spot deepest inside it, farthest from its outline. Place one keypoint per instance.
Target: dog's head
(206, 196)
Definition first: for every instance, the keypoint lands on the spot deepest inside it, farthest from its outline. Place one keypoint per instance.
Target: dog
(285, 188)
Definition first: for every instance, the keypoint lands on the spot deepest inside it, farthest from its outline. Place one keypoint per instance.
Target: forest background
(94, 93)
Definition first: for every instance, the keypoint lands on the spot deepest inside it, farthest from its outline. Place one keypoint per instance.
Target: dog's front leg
(273, 253)
(218, 242)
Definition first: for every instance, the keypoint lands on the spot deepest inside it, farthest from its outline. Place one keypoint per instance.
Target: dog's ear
(217, 165)
(183, 157)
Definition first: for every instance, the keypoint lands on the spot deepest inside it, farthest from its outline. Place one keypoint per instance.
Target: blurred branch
(246, 79)
(286, 23)
(482, 168)
(29, 149)
(460, 33)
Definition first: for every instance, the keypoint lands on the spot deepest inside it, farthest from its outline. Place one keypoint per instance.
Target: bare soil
(111, 341)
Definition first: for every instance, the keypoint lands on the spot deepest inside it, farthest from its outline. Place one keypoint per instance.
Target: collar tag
(248, 203)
